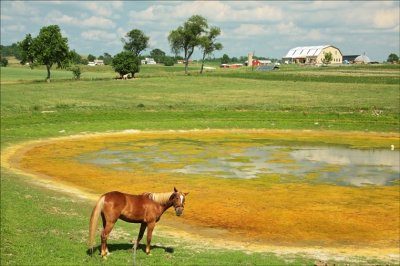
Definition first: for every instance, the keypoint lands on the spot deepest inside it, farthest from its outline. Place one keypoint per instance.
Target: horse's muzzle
(179, 211)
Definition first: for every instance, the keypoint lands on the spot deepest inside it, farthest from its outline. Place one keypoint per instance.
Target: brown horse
(145, 209)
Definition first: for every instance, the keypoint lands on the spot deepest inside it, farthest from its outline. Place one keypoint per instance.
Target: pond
(336, 165)
(286, 188)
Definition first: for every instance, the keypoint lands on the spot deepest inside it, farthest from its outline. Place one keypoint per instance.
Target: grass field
(44, 227)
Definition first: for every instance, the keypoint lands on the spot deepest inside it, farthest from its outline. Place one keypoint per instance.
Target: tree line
(50, 48)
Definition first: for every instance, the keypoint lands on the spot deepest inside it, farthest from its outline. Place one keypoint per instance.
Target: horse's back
(130, 208)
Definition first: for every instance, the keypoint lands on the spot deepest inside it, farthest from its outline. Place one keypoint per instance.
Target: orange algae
(297, 214)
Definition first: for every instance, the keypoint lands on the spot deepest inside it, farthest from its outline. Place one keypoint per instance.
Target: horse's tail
(94, 219)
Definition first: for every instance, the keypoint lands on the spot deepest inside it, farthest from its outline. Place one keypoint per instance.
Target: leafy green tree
(91, 58)
(126, 62)
(48, 48)
(158, 55)
(11, 50)
(392, 58)
(327, 58)
(185, 38)
(168, 61)
(27, 52)
(75, 57)
(107, 59)
(136, 42)
(225, 59)
(208, 44)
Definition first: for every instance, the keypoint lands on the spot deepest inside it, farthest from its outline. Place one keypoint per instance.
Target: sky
(269, 28)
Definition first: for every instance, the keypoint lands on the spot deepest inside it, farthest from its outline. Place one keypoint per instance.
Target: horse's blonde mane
(161, 198)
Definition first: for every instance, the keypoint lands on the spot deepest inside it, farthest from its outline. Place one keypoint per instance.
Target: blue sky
(270, 28)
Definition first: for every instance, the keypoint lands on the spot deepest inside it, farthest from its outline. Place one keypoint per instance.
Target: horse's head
(178, 201)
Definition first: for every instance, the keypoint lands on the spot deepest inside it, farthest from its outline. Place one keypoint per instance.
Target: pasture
(41, 226)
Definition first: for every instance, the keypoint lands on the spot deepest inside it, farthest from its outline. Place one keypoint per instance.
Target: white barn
(312, 55)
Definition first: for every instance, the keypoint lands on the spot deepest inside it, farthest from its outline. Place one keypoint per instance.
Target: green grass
(44, 227)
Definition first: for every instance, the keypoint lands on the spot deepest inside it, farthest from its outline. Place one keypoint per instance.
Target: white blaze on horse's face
(181, 199)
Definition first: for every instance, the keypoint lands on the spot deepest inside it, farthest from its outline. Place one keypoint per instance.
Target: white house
(148, 61)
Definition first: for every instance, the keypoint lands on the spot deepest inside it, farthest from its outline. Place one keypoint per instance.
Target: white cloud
(386, 18)
(97, 22)
(250, 30)
(98, 35)
(56, 17)
(117, 4)
(213, 11)
(316, 35)
(22, 8)
(98, 8)
(15, 28)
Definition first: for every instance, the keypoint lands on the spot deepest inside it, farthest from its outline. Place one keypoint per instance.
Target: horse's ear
(175, 190)
(185, 193)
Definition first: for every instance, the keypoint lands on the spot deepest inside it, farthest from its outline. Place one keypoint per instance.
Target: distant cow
(126, 76)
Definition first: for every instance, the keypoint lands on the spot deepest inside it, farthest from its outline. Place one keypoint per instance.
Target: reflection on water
(330, 165)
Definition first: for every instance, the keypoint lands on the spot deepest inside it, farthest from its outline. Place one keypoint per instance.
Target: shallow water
(293, 163)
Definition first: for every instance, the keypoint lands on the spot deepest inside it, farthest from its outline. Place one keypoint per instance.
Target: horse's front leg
(141, 233)
(150, 227)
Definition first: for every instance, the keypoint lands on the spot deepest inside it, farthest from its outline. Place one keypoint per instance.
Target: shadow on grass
(115, 247)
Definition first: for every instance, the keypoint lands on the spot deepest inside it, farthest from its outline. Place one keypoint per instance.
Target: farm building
(312, 55)
(349, 59)
(362, 59)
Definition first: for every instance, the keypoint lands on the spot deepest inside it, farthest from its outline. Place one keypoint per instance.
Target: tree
(107, 59)
(48, 48)
(136, 42)
(11, 50)
(185, 38)
(393, 58)
(158, 55)
(27, 52)
(208, 44)
(91, 58)
(126, 62)
(75, 57)
(168, 61)
(327, 58)
(225, 59)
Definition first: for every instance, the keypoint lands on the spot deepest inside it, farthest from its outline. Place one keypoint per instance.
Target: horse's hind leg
(108, 226)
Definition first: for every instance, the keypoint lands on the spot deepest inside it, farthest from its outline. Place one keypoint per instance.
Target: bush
(76, 72)
(169, 61)
(3, 62)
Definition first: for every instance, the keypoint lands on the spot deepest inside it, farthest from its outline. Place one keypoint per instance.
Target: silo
(250, 59)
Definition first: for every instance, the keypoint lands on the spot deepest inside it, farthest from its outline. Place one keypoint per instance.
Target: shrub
(76, 72)
(3, 62)
(169, 61)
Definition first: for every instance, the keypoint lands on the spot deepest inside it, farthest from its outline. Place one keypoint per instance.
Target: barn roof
(301, 52)
(362, 59)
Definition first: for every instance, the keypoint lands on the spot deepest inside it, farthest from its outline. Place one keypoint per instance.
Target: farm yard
(52, 135)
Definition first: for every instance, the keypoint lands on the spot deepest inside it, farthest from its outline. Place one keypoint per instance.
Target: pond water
(296, 162)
